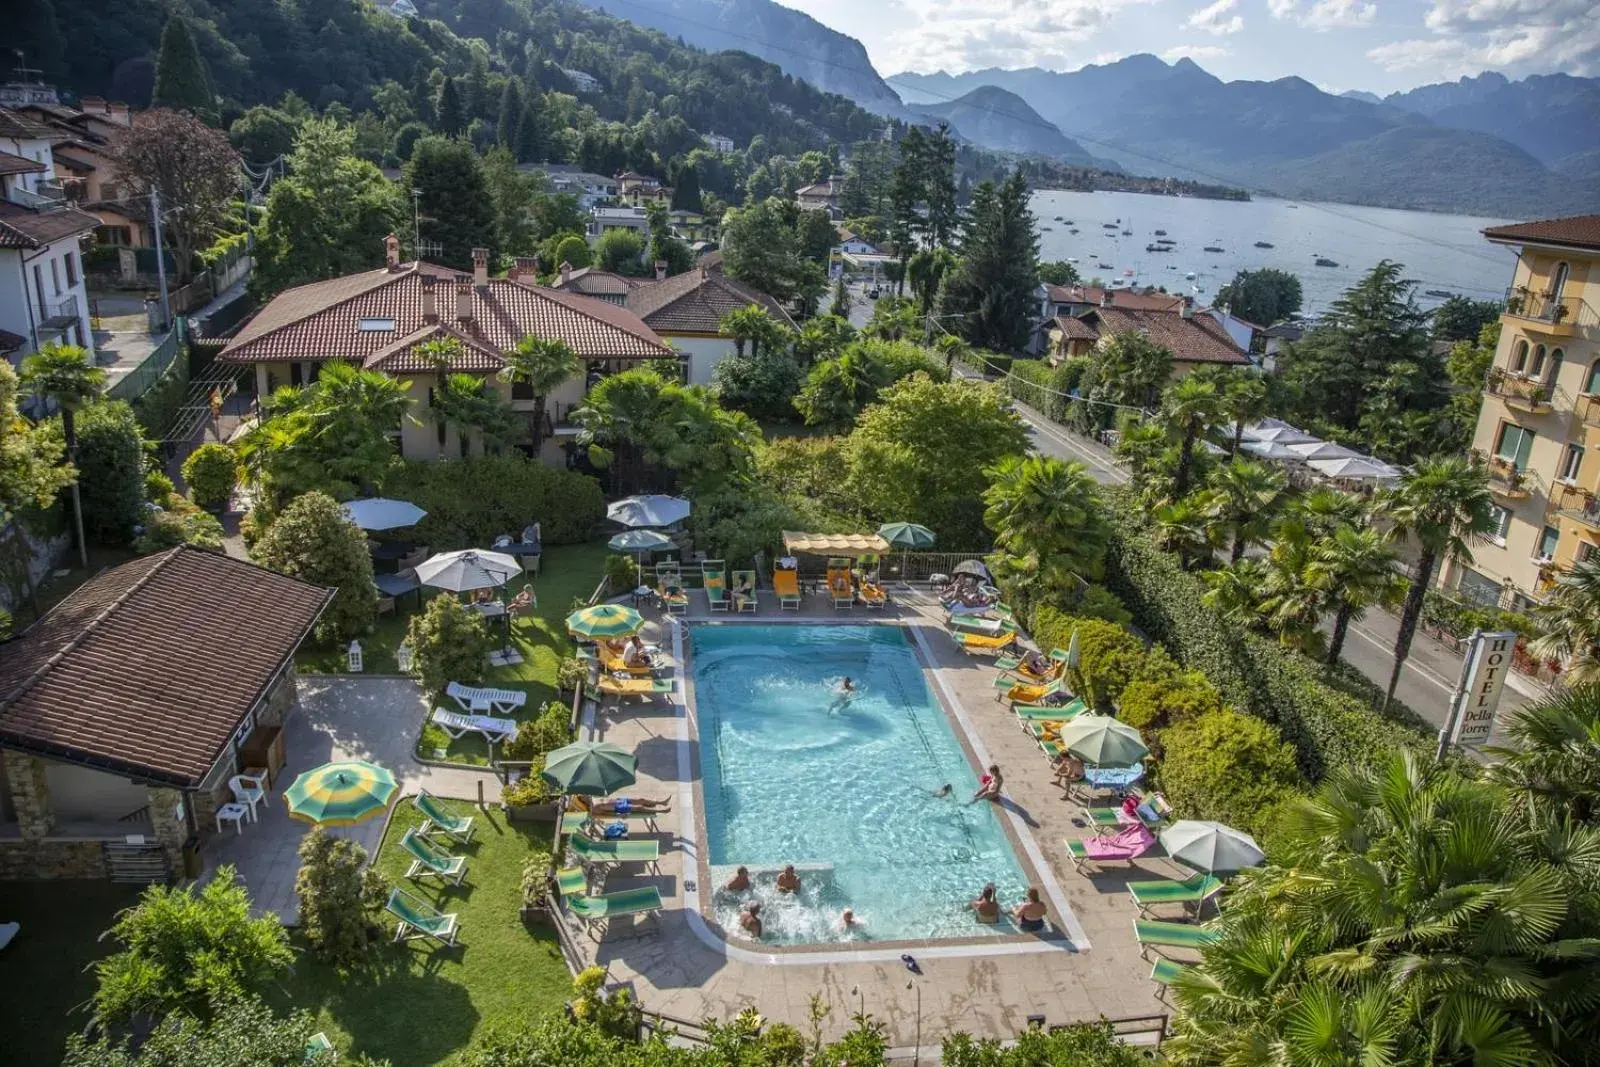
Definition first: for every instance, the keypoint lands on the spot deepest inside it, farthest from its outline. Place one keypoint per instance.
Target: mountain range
(994, 118)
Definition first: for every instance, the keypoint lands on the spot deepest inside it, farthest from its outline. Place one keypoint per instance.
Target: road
(1431, 669)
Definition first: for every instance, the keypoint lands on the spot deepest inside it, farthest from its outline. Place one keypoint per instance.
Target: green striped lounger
(1153, 933)
(573, 822)
(1163, 974)
(644, 900)
(1191, 891)
(588, 850)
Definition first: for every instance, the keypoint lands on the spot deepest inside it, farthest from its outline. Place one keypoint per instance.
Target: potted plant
(530, 798)
(569, 673)
(535, 889)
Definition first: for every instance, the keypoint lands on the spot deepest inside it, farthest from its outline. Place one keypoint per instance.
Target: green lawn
(42, 976)
(416, 1006)
(567, 573)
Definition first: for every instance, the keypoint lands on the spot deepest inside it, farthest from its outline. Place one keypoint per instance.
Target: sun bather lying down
(628, 805)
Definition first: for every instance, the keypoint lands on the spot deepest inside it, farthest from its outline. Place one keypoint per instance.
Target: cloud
(1216, 20)
(1194, 51)
(969, 34)
(1340, 14)
(1512, 35)
(1281, 9)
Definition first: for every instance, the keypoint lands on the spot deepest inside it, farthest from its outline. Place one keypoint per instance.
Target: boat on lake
(1103, 266)
(1161, 233)
(1157, 248)
(1108, 225)
(1442, 293)
(1211, 248)
(1264, 244)
(1324, 261)
(1189, 277)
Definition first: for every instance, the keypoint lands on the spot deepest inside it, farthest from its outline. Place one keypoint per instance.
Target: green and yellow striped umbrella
(605, 620)
(342, 793)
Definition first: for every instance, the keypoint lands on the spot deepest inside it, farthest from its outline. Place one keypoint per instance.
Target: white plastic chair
(248, 791)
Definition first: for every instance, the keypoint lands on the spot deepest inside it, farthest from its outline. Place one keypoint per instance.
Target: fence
(132, 385)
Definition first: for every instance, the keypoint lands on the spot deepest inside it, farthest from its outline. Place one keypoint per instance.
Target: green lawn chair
(572, 882)
(417, 919)
(590, 852)
(1163, 974)
(1030, 713)
(1192, 893)
(436, 818)
(1154, 805)
(316, 1045)
(428, 859)
(597, 910)
(1155, 934)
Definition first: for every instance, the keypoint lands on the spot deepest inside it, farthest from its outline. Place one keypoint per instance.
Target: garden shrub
(337, 892)
(450, 643)
(1095, 601)
(313, 540)
(735, 524)
(622, 572)
(240, 1031)
(184, 525)
(1326, 714)
(110, 471)
(762, 386)
(158, 489)
(470, 501)
(1030, 383)
(547, 731)
(1154, 702)
(1228, 767)
(531, 789)
(615, 1013)
(1109, 657)
(211, 471)
(1093, 1044)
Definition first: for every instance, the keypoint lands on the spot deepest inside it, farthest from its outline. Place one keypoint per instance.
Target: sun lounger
(611, 663)
(1027, 713)
(428, 859)
(589, 852)
(1014, 665)
(478, 700)
(1153, 933)
(986, 627)
(417, 919)
(1163, 974)
(457, 725)
(579, 821)
(981, 645)
(635, 687)
(595, 910)
(1151, 812)
(572, 882)
(841, 587)
(1192, 893)
(436, 818)
(1022, 693)
(786, 584)
(872, 594)
(716, 590)
(1125, 846)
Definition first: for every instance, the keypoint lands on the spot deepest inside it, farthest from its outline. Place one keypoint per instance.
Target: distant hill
(1285, 136)
(1362, 95)
(993, 118)
(1552, 116)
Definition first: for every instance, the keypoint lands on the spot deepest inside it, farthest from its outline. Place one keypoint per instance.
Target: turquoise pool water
(845, 791)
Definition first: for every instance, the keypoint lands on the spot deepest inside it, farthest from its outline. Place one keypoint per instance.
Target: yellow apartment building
(1539, 427)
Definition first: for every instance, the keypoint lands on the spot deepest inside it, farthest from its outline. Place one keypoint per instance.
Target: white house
(686, 310)
(602, 219)
(718, 143)
(582, 81)
(588, 187)
(42, 294)
(1243, 331)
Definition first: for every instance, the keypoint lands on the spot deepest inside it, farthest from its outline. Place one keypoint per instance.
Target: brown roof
(1132, 299)
(24, 227)
(14, 164)
(592, 281)
(1075, 329)
(1577, 231)
(696, 300)
(711, 261)
(322, 320)
(10, 342)
(1200, 339)
(23, 127)
(148, 668)
(817, 189)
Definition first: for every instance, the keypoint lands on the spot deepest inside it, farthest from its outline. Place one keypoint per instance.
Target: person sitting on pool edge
(750, 919)
(739, 882)
(986, 909)
(1030, 913)
(989, 785)
(630, 805)
(788, 881)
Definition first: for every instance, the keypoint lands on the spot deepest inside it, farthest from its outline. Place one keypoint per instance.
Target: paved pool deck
(680, 966)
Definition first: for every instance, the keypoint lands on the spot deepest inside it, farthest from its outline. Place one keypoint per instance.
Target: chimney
(120, 111)
(94, 105)
(661, 270)
(463, 298)
(1187, 308)
(527, 267)
(430, 310)
(480, 267)
(1106, 298)
(391, 252)
(566, 272)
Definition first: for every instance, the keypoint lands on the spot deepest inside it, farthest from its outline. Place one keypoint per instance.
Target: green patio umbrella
(639, 542)
(342, 793)
(1103, 741)
(605, 620)
(906, 536)
(590, 768)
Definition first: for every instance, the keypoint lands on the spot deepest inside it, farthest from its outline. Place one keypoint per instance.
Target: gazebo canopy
(822, 544)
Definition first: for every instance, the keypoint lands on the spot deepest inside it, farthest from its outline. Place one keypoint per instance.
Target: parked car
(874, 293)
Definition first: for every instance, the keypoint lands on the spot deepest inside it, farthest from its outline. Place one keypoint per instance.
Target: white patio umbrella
(468, 569)
(652, 510)
(1210, 846)
(639, 542)
(1103, 741)
(1276, 430)
(1309, 450)
(381, 513)
(1269, 450)
(1360, 468)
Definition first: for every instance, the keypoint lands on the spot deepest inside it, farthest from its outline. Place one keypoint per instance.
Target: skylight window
(377, 326)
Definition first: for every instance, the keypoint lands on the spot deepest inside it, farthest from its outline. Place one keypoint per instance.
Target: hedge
(1328, 714)
(470, 501)
(1030, 383)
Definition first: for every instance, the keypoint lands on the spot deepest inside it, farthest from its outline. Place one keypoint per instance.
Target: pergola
(853, 546)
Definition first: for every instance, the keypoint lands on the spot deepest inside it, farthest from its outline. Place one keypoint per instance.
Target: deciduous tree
(63, 376)
(1262, 296)
(192, 168)
(314, 540)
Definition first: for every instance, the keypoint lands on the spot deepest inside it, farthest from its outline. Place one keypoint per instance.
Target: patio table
(396, 585)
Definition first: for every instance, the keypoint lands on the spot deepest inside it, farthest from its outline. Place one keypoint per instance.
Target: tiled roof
(23, 227)
(1075, 329)
(696, 300)
(711, 261)
(10, 342)
(1579, 231)
(1191, 340)
(403, 356)
(148, 668)
(591, 281)
(16, 124)
(819, 189)
(14, 164)
(322, 320)
(1122, 298)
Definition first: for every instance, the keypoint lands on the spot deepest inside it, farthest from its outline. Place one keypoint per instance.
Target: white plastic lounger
(476, 700)
(492, 729)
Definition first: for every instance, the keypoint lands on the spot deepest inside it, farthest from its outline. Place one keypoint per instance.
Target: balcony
(1518, 391)
(46, 193)
(1506, 481)
(58, 314)
(1581, 508)
(1544, 313)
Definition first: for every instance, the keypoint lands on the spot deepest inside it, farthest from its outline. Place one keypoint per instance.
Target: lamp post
(916, 1049)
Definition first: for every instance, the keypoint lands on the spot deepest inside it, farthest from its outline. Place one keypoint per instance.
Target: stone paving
(374, 719)
(679, 966)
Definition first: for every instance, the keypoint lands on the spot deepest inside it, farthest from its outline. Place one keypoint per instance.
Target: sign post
(1477, 694)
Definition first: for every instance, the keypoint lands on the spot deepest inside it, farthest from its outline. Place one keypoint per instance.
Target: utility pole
(161, 259)
(416, 223)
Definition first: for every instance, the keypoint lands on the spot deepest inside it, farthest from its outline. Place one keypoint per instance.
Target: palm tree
(1190, 406)
(1323, 511)
(1236, 592)
(1244, 400)
(1045, 515)
(1140, 446)
(1290, 605)
(751, 324)
(540, 364)
(63, 375)
(1552, 764)
(1353, 569)
(1443, 503)
(1185, 527)
(1569, 622)
(1247, 499)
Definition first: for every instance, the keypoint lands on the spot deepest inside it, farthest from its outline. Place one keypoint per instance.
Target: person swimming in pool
(843, 693)
(750, 919)
(739, 882)
(943, 791)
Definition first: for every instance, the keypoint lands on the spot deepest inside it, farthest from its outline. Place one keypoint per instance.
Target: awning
(823, 544)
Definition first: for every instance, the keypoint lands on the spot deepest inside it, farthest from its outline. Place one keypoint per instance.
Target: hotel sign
(1488, 662)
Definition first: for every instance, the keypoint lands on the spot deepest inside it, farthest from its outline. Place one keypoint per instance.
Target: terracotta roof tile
(1136, 300)
(323, 320)
(10, 342)
(696, 300)
(15, 164)
(148, 668)
(22, 227)
(1192, 340)
(14, 124)
(1579, 231)
(591, 281)
(1075, 329)
(711, 261)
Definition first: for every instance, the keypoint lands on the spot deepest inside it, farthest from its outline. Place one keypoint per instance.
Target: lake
(1445, 252)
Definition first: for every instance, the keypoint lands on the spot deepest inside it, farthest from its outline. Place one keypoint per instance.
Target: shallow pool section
(844, 788)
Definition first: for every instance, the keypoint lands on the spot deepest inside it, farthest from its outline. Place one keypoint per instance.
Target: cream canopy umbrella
(468, 569)
(1103, 741)
(1211, 846)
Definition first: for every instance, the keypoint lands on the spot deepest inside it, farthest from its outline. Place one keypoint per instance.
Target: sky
(1377, 45)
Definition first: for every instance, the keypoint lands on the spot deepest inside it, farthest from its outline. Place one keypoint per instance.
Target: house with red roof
(1195, 340)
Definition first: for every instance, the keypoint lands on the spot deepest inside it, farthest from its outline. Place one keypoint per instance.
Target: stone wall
(166, 827)
(30, 794)
(279, 701)
(33, 860)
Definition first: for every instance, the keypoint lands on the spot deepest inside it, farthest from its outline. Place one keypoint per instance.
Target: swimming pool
(843, 790)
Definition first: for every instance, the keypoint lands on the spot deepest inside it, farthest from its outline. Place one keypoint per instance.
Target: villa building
(379, 320)
(717, 142)
(83, 142)
(566, 179)
(1539, 427)
(1194, 340)
(823, 195)
(603, 218)
(593, 282)
(126, 710)
(687, 310)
